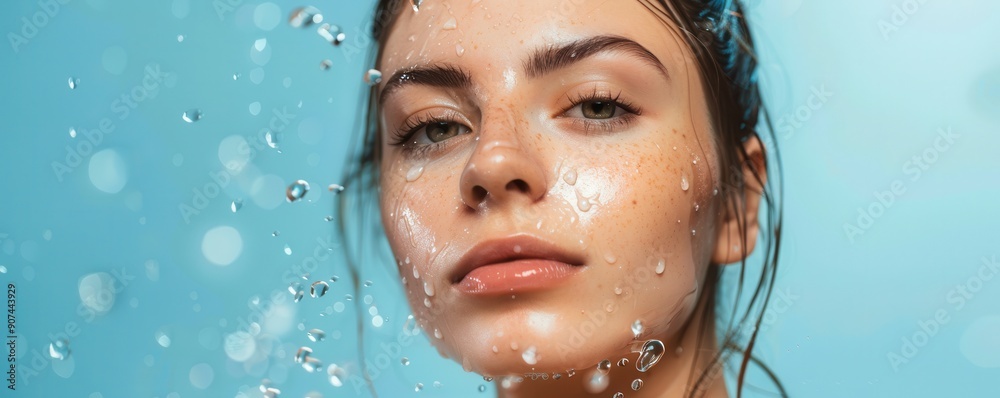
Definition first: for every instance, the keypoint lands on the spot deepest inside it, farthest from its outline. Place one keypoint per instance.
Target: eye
(440, 131)
(599, 109)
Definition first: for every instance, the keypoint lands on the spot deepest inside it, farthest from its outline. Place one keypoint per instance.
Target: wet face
(548, 179)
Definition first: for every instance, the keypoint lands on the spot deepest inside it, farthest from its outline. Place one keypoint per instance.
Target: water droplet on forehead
(318, 289)
(296, 190)
(303, 17)
(649, 355)
(373, 77)
(637, 328)
(59, 349)
(459, 50)
(191, 115)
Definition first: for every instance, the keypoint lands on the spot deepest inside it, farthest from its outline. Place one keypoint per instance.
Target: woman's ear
(739, 209)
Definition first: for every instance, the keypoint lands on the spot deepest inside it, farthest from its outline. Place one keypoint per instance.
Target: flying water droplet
(272, 139)
(418, 387)
(530, 356)
(191, 115)
(296, 190)
(637, 328)
(236, 76)
(236, 205)
(72, 132)
(684, 183)
(636, 384)
(335, 188)
(482, 388)
(59, 349)
(316, 335)
(405, 361)
(303, 17)
(312, 364)
(302, 354)
(416, 5)
(326, 64)
(318, 289)
(288, 250)
(332, 34)
(661, 266)
(368, 284)
(649, 355)
(373, 77)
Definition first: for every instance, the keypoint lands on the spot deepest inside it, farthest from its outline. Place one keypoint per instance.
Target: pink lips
(518, 263)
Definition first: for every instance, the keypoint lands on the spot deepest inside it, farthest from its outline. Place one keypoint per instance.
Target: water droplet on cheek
(414, 173)
(570, 177)
(429, 289)
(684, 183)
(450, 24)
(661, 266)
(636, 384)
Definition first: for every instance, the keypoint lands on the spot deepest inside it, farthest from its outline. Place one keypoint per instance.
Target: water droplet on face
(715, 191)
(619, 395)
(373, 77)
(59, 349)
(496, 350)
(693, 232)
(459, 50)
(650, 354)
(636, 384)
(530, 356)
(622, 362)
(596, 383)
(429, 289)
(303, 17)
(684, 183)
(604, 366)
(570, 177)
(236, 205)
(696, 207)
(296, 190)
(437, 333)
(661, 266)
(315, 335)
(637, 328)
(414, 173)
(450, 24)
(416, 5)
(618, 290)
(610, 258)
(318, 289)
(570, 373)
(191, 116)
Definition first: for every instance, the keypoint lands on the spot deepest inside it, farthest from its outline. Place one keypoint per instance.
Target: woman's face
(548, 179)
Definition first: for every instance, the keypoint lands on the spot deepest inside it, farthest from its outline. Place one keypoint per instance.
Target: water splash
(318, 289)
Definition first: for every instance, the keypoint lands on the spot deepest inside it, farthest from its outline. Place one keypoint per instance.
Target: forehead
(498, 34)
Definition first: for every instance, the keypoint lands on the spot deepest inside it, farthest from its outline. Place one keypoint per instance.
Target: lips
(513, 264)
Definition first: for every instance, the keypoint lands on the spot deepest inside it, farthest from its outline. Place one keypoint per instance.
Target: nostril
(478, 193)
(519, 185)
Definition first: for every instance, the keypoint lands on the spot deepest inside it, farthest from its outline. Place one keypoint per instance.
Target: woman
(562, 182)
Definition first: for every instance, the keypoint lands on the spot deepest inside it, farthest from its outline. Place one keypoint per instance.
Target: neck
(674, 376)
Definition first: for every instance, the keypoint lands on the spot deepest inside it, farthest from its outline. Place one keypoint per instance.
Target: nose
(499, 171)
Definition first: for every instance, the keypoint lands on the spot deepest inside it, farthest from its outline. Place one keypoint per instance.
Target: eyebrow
(548, 60)
(541, 62)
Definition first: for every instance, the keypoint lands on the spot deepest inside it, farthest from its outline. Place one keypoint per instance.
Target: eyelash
(605, 126)
(404, 134)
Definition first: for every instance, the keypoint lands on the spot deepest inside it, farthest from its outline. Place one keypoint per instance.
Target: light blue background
(852, 300)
